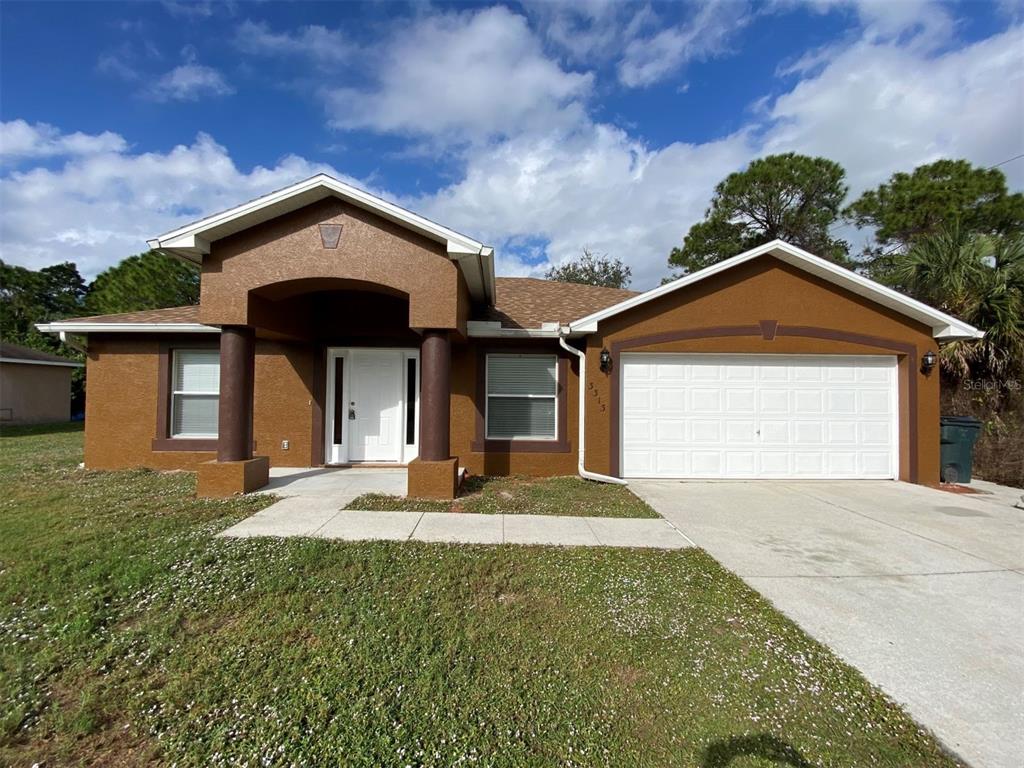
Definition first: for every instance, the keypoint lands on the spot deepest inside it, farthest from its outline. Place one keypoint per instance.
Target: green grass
(129, 635)
(571, 496)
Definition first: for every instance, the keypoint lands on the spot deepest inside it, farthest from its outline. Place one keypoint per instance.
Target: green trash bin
(957, 436)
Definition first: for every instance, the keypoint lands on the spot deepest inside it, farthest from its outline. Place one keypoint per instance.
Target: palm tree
(980, 279)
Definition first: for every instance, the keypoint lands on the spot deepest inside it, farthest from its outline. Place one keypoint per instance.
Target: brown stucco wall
(34, 394)
(467, 411)
(768, 289)
(121, 379)
(371, 251)
(123, 387)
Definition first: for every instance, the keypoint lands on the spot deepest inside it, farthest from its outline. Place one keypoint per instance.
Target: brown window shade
(340, 413)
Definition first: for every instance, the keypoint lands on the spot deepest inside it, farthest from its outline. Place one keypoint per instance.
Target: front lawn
(571, 496)
(130, 635)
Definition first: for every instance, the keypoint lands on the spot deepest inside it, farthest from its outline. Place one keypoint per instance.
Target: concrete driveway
(921, 590)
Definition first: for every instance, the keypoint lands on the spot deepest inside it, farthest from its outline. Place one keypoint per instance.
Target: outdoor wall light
(928, 361)
(606, 361)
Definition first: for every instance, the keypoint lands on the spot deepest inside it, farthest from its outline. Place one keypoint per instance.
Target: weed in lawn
(570, 496)
(129, 635)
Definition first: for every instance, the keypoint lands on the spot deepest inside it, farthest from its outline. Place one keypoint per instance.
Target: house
(336, 328)
(35, 387)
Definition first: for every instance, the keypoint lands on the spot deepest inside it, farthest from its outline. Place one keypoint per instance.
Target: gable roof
(944, 327)
(192, 241)
(15, 353)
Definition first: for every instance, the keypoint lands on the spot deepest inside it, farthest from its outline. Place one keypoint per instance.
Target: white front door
(371, 405)
(759, 416)
(375, 406)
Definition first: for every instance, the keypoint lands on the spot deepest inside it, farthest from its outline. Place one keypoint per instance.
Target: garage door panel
(670, 399)
(672, 462)
(774, 400)
(758, 416)
(704, 400)
(706, 463)
(706, 431)
(806, 433)
(775, 432)
(670, 430)
(740, 400)
(740, 431)
(808, 401)
(775, 464)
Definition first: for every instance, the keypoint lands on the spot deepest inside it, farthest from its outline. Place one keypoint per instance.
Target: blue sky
(540, 128)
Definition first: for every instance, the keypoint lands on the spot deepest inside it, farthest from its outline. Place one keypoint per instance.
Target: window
(195, 390)
(521, 393)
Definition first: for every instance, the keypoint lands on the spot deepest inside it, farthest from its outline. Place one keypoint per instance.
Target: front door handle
(351, 414)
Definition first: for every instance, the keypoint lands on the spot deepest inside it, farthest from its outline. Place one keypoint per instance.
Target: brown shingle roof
(10, 351)
(521, 302)
(189, 314)
(526, 302)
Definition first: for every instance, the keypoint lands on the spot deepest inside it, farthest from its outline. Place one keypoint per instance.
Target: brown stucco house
(335, 328)
(35, 386)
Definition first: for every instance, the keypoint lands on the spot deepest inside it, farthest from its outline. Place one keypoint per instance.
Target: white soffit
(944, 327)
(192, 241)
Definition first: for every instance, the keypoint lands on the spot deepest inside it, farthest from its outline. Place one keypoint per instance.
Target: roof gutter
(581, 440)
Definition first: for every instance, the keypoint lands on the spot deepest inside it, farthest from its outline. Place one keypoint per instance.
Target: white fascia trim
(20, 361)
(189, 237)
(127, 328)
(943, 326)
(491, 329)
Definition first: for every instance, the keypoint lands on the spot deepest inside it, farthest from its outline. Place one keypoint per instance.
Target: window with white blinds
(521, 397)
(195, 390)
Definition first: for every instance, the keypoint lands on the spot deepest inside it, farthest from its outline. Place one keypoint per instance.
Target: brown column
(435, 395)
(237, 366)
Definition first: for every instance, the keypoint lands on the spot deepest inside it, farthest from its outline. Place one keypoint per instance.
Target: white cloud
(101, 206)
(647, 60)
(595, 186)
(590, 30)
(20, 140)
(189, 82)
(316, 42)
(461, 77)
(876, 108)
(535, 167)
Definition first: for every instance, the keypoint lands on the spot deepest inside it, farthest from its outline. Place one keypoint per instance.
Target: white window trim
(488, 396)
(175, 393)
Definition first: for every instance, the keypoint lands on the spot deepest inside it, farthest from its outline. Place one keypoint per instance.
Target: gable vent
(330, 235)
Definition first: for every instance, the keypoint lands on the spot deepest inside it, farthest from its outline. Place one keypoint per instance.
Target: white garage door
(759, 416)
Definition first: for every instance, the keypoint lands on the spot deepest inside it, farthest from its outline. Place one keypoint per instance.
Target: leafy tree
(28, 297)
(910, 206)
(980, 279)
(149, 280)
(591, 269)
(791, 197)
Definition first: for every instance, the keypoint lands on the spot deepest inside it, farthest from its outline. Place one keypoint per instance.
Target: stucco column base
(433, 479)
(219, 479)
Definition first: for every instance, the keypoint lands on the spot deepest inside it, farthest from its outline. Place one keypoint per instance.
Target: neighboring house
(35, 387)
(336, 328)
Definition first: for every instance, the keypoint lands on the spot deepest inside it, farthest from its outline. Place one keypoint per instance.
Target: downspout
(69, 340)
(581, 440)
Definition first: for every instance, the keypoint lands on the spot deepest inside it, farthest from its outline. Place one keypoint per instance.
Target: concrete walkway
(312, 500)
(297, 516)
(920, 589)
